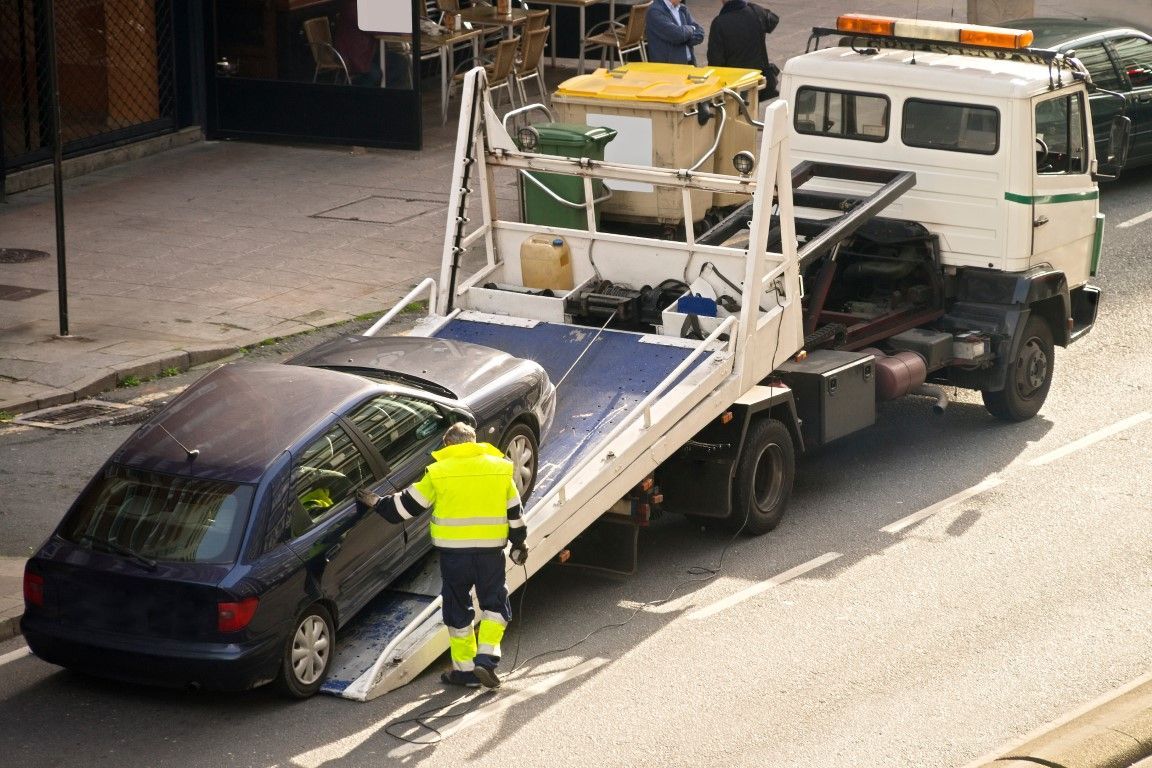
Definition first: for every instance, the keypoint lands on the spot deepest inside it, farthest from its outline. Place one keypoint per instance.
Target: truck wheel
(520, 446)
(1029, 375)
(763, 482)
(307, 654)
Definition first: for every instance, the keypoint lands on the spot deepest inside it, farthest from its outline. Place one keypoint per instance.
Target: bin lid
(573, 134)
(656, 82)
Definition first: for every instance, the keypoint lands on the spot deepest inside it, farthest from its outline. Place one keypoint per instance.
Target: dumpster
(655, 108)
(565, 140)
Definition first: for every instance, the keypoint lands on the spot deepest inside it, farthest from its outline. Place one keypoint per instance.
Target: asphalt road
(854, 635)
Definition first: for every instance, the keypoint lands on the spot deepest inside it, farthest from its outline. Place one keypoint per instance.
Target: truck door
(1064, 197)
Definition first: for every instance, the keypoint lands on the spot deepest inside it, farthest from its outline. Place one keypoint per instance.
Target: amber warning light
(943, 31)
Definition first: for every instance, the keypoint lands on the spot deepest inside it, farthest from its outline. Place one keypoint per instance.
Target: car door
(1134, 58)
(404, 430)
(325, 476)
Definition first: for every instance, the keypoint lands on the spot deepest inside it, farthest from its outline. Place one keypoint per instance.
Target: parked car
(221, 546)
(1119, 59)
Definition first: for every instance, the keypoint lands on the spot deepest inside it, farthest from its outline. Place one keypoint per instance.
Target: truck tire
(763, 482)
(1029, 375)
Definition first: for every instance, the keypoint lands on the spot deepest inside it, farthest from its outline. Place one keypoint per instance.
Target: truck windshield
(160, 517)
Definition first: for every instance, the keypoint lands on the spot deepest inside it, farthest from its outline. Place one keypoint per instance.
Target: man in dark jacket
(672, 32)
(737, 39)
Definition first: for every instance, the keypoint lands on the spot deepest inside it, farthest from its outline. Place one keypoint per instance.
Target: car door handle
(333, 551)
(1039, 221)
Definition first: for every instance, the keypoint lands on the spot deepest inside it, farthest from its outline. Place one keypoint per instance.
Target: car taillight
(233, 617)
(33, 588)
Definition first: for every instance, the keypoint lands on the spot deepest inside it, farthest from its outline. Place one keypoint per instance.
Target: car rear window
(161, 517)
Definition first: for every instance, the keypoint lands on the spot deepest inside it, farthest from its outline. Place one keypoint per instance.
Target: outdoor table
(443, 45)
(487, 15)
(582, 5)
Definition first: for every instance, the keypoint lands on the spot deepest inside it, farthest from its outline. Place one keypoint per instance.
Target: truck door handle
(1039, 221)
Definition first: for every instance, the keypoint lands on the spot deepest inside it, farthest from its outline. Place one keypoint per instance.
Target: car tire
(308, 653)
(522, 448)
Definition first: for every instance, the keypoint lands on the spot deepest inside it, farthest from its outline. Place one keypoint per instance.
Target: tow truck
(691, 371)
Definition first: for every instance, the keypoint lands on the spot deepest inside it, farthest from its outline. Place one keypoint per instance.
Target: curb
(9, 628)
(1114, 732)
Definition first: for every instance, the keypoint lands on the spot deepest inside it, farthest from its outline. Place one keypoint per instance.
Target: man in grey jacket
(671, 32)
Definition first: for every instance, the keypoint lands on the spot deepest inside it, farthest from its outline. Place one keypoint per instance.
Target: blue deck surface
(364, 638)
(612, 378)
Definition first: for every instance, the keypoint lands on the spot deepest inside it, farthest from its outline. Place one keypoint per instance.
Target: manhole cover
(82, 414)
(384, 209)
(18, 292)
(20, 255)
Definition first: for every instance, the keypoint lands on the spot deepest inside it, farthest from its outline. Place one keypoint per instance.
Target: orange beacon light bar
(943, 31)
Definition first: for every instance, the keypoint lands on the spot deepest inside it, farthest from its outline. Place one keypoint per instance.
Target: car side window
(327, 472)
(1135, 57)
(1060, 136)
(399, 426)
(1099, 65)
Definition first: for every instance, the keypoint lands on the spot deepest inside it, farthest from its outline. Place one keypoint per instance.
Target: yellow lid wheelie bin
(666, 115)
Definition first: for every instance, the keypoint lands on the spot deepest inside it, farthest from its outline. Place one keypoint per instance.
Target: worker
(672, 32)
(476, 512)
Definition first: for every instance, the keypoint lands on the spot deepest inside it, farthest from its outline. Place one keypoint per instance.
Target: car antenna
(192, 453)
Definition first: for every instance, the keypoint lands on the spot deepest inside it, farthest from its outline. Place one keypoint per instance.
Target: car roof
(1051, 32)
(240, 418)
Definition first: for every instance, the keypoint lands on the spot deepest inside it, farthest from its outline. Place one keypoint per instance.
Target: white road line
(341, 748)
(764, 586)
(989, 482)
(14, 655)
(1091, 439)
(1135, 220)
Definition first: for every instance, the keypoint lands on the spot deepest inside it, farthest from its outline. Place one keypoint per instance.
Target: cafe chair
(318, 33)
(536, 19)
(499, 70)
(530, 63)
(624, 38)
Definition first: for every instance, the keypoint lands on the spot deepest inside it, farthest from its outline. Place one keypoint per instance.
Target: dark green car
(1119, 58)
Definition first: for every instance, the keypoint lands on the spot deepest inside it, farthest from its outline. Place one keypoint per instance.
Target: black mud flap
(1085, 305)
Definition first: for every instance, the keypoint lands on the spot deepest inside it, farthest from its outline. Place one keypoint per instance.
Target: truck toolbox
(835, 393)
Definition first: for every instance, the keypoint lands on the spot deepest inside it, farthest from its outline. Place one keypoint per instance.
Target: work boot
(457, 677)
(486, 676)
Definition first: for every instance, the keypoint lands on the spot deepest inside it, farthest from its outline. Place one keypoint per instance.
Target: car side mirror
(1117, 152)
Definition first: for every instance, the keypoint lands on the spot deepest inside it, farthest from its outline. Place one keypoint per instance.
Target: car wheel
(522, 449)
(307, 653)
(1029, 375)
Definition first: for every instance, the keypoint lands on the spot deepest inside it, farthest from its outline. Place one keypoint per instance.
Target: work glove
(519, 554)
(367, 498)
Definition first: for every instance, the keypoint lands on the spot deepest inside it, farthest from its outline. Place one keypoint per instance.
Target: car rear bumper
(156, 661)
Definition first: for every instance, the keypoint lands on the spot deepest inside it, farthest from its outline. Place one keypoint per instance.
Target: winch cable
(587, 347)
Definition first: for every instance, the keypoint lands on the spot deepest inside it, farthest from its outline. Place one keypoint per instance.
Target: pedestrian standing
(737, 38)
(672, 32)
(476, 512)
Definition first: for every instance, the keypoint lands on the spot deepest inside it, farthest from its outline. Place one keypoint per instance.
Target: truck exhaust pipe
(931, 390)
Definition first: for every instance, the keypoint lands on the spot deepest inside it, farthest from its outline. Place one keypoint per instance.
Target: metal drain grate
(82, 414)
(20, 255)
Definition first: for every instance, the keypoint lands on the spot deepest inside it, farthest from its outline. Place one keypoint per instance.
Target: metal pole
(57, 166)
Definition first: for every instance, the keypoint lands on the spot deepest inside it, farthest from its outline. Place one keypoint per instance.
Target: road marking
(989, 482)
(341, 748)
(1135, 220)
(1091, 439)
(14, 655)
(764, 586)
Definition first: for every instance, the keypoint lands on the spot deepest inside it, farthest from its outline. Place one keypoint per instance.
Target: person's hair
(460, 432)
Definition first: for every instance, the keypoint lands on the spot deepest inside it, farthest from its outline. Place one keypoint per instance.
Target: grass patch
(130, 381)
(168, 373)
(6, 416)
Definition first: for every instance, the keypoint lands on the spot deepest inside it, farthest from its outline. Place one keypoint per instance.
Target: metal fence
(115, 60)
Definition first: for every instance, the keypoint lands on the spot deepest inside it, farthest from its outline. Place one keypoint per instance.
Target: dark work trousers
(460, 571)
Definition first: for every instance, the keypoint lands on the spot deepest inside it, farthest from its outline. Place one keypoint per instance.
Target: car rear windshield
(160, 517)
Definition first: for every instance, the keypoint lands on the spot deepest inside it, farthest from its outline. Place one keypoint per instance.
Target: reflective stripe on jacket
(470, 488)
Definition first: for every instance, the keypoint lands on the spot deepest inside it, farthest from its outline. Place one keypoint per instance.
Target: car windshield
(150, 516)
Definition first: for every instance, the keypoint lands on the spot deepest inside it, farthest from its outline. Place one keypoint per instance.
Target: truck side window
(951, 127)
(843, 114)
(1060, 135)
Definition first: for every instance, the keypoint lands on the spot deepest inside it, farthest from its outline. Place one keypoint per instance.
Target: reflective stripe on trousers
(462, 648)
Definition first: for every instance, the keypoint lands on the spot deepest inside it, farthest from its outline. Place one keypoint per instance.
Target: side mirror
(1117, 152)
